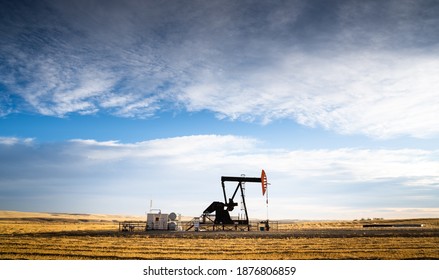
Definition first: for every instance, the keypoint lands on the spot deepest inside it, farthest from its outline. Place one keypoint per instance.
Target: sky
(106, 106)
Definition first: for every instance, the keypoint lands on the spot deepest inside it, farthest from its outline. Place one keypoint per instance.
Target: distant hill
(7, 215)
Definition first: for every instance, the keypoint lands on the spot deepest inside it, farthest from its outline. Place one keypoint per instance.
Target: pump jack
(222, 209)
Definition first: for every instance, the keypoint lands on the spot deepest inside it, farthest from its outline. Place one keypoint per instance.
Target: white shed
(157, 221)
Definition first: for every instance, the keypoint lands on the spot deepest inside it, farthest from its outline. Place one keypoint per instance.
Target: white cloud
(10, 141)
(204, 153)
(175, 170)
(381, 95)
(191, 152)
(365, 68)
(215, 152)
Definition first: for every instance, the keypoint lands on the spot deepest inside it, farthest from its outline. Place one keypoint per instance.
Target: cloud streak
(204, 152)
(185, 172)
(354, 68)
(380, 95)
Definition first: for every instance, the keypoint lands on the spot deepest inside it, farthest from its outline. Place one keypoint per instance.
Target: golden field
(73, 236)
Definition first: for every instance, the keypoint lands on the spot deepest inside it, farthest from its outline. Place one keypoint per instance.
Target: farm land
(60, 236)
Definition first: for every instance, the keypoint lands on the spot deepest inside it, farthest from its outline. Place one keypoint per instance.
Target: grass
(71, 237)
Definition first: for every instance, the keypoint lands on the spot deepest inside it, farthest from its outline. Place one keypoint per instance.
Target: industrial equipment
(222, 209)
(154, 221)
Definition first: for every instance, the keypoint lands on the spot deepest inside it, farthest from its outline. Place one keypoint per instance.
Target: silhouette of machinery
(222, 209)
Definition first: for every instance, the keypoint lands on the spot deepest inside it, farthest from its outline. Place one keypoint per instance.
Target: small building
(157, 221)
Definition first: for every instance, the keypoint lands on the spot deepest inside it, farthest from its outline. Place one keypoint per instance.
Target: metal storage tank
(172, 216)
(172, 226)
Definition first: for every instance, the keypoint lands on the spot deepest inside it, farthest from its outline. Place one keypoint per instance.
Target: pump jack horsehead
(222, 209)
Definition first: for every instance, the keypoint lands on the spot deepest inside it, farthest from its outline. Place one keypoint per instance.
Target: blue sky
(106, 105)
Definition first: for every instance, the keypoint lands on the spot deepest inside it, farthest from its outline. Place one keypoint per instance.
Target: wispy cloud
(380, 95)
(9, 141)
(205, 152)
(174, 170)
(354, 68)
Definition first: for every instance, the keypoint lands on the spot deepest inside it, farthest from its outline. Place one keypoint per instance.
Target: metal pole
(267, 201)
(236, 190)
(224, 192)
(243, 202)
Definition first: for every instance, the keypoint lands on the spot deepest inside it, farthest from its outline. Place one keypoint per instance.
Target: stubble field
(68, 236)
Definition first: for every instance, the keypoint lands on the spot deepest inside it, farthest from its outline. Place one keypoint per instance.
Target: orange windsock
(264, 182)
